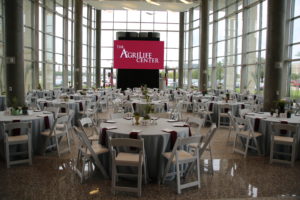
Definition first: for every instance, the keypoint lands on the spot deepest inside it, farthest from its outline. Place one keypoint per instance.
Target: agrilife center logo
(139, 57)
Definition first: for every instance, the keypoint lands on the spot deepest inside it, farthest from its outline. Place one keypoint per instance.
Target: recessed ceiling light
(152, 2)
(186, 2)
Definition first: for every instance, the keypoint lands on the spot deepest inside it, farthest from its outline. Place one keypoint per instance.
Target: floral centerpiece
(136, 117)
(280, 105)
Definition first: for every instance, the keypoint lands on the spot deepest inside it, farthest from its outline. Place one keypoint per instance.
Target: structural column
(14, 52)
(274, 52)
(78, 45)
(181, 49)
(203, 46)
(98, 48)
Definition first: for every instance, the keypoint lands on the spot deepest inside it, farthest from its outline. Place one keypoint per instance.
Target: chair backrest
(223, 107)
(86, 144)
(197, 121)
(9, 127)
(232, 119)
(243, 112)
(88, 126)
(54, 110)
(127, 142)
(278, 127)
(63, 106)
(208, 138)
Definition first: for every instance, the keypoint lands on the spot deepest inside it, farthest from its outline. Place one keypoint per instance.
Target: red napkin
(256, 124)
(283, 132)
(16, 131)
(103, 136)
(133, 135)
(80, 106)
(173, 138)
(166, 107)
(190, 133)
(47, 122)
(210, 107)
(62, 109)
(134, 106)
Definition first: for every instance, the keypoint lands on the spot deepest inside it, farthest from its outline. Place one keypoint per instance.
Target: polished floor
(234, 177)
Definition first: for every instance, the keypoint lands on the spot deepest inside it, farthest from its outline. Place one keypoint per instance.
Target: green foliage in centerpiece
(280, 105)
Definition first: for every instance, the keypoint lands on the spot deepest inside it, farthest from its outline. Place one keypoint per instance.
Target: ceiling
(170, 5)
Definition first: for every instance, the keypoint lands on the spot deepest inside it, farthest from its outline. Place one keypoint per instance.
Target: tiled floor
(234, 177)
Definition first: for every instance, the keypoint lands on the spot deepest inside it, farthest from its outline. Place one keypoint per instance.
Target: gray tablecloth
(264, 127)
(38, 125)
(2, 103)
(155, 140)
(73, 104)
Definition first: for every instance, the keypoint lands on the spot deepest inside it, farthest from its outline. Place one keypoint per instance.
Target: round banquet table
(156, 141)
(38, 125)
(73, 105)
(235, 107)
(158, 106)
(264, 127)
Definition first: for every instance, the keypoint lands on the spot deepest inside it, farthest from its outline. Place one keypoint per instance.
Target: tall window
(237, 42)
(294, 49)
(192, 47)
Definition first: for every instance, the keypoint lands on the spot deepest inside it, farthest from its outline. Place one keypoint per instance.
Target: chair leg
(29, 151)
(57, 146)
(230, 129)
(211, 160)
(293, 154)
(178, 178)
(234, 143)
(246, 148)
(68, 140)
(272, 151)
(198, 170)
(257, 146)
(113, 181)
(140, 176)
(7, 155)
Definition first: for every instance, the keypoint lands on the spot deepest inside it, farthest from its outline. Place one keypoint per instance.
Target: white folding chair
(208, 136)
(248, 134)
(178, 157)
(88, 153)
(22, 137)
(90, 129)
(63, 109)
(223, 115)
(199, 122)
(289, 138)
(52, 109)
(58, 131)
(127, 158)
(205, 111)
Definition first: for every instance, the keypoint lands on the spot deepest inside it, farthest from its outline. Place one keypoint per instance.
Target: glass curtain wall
(237, 39)
(191, 47)
(166, 23)
(293, 58)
